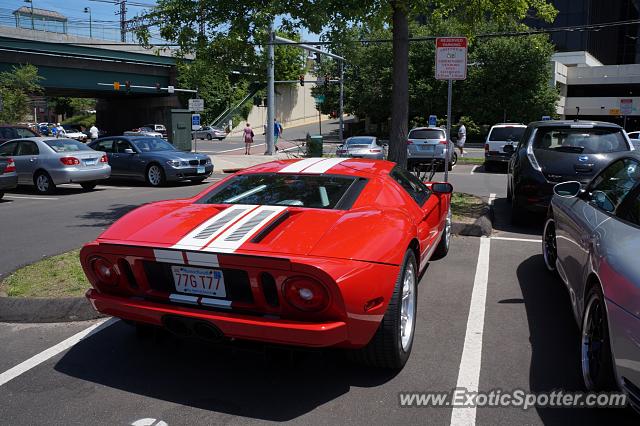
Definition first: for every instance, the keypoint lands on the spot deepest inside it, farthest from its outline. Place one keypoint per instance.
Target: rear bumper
(324, 334)
(79, 175)
(9, 180)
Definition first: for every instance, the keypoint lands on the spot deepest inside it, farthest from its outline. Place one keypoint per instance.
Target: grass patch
(470, 160)
(465, 206)
(56, 276)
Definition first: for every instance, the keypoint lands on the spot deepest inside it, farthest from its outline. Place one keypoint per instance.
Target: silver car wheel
(447, 228)
(593, 341)
(42, 183)
(408, 309)
(155, 175)
(549, 246)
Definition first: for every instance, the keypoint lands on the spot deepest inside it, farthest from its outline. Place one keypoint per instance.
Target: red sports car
(314, 252)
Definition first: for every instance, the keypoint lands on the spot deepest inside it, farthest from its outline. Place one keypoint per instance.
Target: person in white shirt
(60, 133)
(462, 138)
(93, 131)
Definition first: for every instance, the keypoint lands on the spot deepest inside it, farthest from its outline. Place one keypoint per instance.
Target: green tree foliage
(69, 107)
(514, 74)
(15, 88)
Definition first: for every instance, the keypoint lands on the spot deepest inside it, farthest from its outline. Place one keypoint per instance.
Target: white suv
(499, 136)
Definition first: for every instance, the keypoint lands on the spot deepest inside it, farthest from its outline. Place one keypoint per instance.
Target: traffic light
(127, 85)
(158, 87)
(301, 80)
(116, 85)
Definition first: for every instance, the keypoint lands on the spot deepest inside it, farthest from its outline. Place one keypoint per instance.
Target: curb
(482, 227)
(36, 310)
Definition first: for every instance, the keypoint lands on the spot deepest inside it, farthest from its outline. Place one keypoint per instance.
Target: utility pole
(88, 10)
(123, 20)
(341, 102)
(271, 92)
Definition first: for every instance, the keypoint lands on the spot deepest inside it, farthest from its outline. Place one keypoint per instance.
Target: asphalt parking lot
(522, 337)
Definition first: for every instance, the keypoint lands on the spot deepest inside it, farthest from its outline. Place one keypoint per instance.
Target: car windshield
(66, 145)
(506, 133)
(426, 134)
(323, 192)
(359, 141)
(152, 145)
(580, 140)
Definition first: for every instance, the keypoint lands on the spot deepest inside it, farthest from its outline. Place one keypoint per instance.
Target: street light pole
(31, 3)
(341, 101)
(88, 10)
(271, 93)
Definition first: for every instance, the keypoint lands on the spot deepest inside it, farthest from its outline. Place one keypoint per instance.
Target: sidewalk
(225, 162)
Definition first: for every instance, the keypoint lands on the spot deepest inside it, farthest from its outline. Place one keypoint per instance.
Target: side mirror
(508, 149)
(129, 151)
(442, 188)
(567, 189)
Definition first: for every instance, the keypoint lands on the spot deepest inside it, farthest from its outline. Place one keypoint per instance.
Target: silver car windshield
(359, 141)
(152, 145)
(66, 145)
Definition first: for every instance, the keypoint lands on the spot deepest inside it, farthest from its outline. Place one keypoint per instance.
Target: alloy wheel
(155, 175)
(593, 342)
(549, 246)
(408, 309)
(42, 183)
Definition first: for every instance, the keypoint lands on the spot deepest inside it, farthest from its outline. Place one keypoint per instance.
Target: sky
(105, 22)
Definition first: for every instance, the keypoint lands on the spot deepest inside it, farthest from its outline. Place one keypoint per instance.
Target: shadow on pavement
(59, 191)
(279, 386)
(555, 344)
(502, 220)
(104, 218)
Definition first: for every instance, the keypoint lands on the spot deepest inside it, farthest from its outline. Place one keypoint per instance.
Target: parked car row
(46, 162)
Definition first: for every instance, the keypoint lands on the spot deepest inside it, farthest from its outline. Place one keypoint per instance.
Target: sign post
(195, 125)
(451, 64)
(626, 108)
(319, 100)
(433, 121)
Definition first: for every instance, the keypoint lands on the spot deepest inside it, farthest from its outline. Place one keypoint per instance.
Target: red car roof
(338, 166)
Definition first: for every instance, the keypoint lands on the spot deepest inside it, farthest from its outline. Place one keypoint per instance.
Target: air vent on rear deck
(249, 225)
(269, 289)
(217, 225)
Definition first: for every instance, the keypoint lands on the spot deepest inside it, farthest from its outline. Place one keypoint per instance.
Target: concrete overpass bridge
(73, 66)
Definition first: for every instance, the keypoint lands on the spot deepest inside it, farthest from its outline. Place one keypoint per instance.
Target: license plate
(201, 281)
(90, 162)
(200, 170)
(426, 147)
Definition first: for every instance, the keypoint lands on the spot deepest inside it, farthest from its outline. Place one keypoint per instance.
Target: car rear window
(506, 134)
(322, 192)
(359, 141)
(66, 145)
(580, 140)
(426, 134)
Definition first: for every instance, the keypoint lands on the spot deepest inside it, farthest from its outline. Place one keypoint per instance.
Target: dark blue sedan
(152, 159)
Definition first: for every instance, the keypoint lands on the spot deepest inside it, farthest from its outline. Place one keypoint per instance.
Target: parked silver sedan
(209, 133)
(47, 162)
(591, 239)
(363, 147)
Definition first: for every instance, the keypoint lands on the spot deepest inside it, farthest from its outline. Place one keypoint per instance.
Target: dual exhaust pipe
(187, 327)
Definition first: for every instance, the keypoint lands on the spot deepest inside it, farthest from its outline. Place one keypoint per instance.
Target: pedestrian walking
(60, 131)
(54, 131)
(248, 139)
(93, 131)
(462, 138)
(277, 132)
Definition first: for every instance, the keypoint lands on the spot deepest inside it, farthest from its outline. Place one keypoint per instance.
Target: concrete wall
(294, 106)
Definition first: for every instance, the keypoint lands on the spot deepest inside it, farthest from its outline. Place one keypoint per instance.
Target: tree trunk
(400, 91)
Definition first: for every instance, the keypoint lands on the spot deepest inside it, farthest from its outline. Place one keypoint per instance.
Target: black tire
(209, 137)
(88, 186)
(509, 196)
(445, 240)
(43, 182)
(549, 246)
(1, 194)
(454, 161)
(596, 359)
(385, 350)
(198, 180)
(155, 175)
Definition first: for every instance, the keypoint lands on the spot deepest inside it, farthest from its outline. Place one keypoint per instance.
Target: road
(527, 340)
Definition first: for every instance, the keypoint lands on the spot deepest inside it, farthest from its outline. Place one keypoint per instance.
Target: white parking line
(20, 197)
(526, 240)
(473, 170)
(43, 356)
(469, 371)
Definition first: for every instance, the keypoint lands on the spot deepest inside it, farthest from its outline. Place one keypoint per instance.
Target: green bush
(86, 120)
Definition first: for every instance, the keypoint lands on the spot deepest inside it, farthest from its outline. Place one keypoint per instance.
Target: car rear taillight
(442, 141)
(70, 161)
(104, 159)
(409, 142)
(11, 166)
(532, 158)
(104, 270)
(305, 294)
(486, 147)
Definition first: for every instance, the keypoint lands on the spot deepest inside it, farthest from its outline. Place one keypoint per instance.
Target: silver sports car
(363, 147)
(591, 239)
(46, 162)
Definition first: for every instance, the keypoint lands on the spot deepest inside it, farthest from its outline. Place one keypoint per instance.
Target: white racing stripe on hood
(298, 166)
(213, 227)
(244, 229)
(324, 165)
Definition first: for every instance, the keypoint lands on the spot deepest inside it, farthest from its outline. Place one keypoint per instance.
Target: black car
(152, 159)
(550, 152)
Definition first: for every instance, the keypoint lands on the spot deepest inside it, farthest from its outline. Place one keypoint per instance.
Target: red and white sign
(626, 106)
(451, 58)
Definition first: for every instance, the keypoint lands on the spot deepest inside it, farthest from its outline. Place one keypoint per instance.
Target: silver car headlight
(177, 164)
(208, 160)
